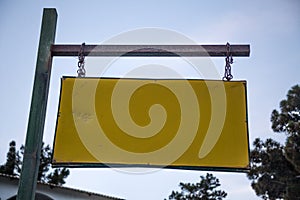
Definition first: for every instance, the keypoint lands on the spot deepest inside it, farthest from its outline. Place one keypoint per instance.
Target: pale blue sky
(272, 28)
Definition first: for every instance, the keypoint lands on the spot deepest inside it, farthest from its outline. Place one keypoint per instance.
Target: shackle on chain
(228, 61)
(81, 71)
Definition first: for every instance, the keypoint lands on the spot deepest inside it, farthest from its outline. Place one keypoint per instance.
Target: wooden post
(34, 137)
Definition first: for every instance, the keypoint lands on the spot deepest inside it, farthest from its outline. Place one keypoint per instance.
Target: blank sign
(171, 123)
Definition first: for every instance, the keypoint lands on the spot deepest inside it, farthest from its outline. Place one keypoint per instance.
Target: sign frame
(182, 167)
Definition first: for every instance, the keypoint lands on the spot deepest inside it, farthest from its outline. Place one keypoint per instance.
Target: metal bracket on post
(35, 129)
(152, 50)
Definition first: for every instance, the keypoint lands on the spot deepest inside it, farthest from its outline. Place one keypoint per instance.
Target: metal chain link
(81, 71)
(228, 60)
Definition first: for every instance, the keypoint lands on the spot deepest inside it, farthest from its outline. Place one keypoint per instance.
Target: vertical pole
(34, 137)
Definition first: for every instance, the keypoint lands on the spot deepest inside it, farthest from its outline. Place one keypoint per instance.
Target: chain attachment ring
(81, 71)
(228, 60)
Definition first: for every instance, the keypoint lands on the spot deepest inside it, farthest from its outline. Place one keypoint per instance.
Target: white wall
(9, 188)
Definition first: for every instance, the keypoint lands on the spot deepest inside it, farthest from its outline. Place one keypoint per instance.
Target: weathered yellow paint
(146, 122)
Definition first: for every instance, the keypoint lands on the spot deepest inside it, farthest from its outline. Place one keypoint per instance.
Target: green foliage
(288, 121)
(204, 190)
(270, 171)
(57, 177)
(11, 167)
(274, 167)
(45, 174)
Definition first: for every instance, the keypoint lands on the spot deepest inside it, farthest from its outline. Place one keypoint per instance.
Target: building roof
(52, 186)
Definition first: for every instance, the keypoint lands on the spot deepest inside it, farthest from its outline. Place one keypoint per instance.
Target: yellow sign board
(176, 123)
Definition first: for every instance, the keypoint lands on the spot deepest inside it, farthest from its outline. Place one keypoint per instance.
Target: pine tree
(206, 189)
(288, 121)
(45, 174)
(57, 177)
(275, 167)
(270, 171)
(11, 167)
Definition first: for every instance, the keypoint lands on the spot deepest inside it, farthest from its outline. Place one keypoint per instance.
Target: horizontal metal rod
(152, 50)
